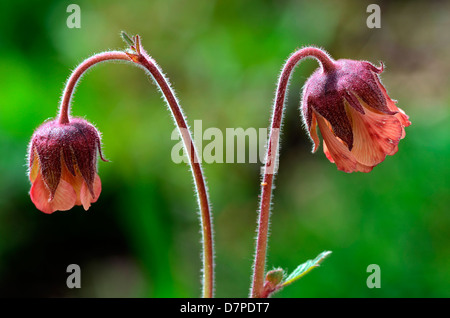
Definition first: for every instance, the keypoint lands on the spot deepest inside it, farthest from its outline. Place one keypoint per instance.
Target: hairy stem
(257, 289)
(78, 73)
(142, 59)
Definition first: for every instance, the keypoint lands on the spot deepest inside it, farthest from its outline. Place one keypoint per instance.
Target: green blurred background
(141, 239)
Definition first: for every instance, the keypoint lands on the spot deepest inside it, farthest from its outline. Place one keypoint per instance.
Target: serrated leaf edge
(304, 268)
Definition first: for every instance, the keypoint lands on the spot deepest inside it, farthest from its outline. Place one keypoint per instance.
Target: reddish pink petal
(359, 166)
(363, 168)
(327, 153)
(76, 181)
(85, 195)
(313, 133)
(64, 198)
(404, 119)
(97, 187)
(375, 136)
(335, 150)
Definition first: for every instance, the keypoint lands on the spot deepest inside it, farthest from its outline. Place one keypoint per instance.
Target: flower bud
(360, 124)
(63, 165)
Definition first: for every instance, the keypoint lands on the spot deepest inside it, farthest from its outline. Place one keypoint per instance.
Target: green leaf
(304, 268)
(126, 38)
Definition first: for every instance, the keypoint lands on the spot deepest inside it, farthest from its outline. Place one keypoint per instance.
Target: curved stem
(257, 290)
(76, 76)
(143, 60)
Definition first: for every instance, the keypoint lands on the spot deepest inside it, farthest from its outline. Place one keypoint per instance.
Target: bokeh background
(142, 239)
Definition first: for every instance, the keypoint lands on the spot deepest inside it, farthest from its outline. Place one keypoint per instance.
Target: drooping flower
(63, 165)
(360, 124)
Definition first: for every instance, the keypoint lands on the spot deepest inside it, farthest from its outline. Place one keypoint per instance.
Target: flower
(63, 165)
(360, 124)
